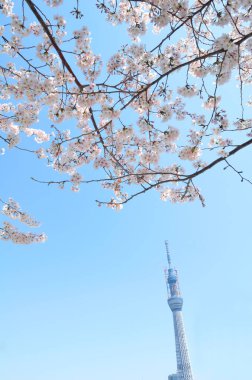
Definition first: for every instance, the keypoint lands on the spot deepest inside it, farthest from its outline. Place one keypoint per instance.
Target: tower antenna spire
(168, 253)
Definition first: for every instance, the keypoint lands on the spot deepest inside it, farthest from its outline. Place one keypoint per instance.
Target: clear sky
(90, 303)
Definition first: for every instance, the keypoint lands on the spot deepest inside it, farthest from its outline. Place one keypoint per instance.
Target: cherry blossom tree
(151, 117)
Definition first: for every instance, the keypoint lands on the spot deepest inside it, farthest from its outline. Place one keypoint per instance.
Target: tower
(175, 302)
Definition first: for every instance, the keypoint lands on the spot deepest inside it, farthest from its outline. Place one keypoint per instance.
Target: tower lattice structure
(175, 302)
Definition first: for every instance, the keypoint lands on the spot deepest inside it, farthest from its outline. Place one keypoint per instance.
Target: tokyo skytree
(175, 302)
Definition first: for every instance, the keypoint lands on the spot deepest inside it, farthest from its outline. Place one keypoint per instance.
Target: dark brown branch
(54, 44)
(187, 178)
(179, 177)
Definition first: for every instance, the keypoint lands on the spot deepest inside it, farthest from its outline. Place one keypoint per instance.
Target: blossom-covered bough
(12, 210)
(152, 117)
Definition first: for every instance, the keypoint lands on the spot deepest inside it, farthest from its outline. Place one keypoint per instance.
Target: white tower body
(175, 302)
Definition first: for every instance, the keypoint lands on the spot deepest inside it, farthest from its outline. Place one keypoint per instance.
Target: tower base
(175, 376)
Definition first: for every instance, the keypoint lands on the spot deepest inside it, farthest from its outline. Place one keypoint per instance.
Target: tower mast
(175, 302)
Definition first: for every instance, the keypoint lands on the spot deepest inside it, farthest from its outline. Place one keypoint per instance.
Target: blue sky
(90, 303)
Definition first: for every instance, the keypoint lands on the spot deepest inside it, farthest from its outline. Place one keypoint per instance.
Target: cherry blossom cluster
(53, 3)
(89, 63)
(12, 210)
(6, 7)
(10, 232)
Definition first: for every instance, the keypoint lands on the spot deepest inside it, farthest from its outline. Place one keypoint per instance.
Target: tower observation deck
(175, 302)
